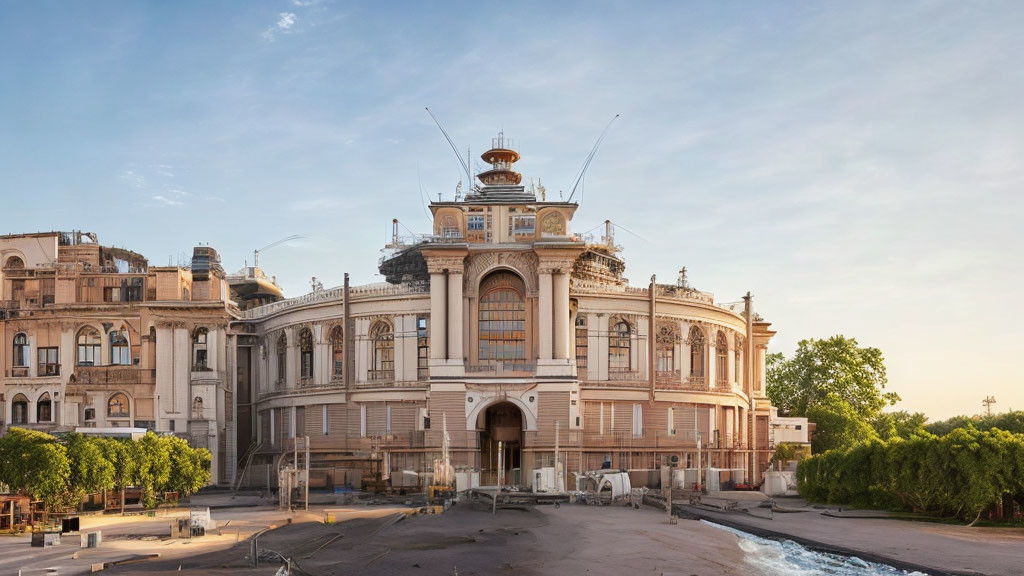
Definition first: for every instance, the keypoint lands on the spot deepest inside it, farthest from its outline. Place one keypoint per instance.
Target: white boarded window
(362, 421)
(671, 421)
(387, 429)
(327, 422)
(638, 419)
(272, 427)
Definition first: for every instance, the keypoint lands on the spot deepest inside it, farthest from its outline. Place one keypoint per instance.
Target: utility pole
(988, 402)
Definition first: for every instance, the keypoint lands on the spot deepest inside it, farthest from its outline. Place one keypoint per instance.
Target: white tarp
(617, 482)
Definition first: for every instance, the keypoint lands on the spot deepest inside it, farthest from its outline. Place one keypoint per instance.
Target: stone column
(544, 315)
(561, 315)
(455, 315)
(438, 315)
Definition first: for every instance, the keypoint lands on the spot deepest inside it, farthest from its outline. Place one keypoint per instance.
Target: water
(787, 558)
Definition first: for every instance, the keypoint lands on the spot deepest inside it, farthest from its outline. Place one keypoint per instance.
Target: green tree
(899, 424)
(831, 366)
(154, 466)
(838, 425)
(36, 464)
(91, 471)
(189, 467)
(121, 455)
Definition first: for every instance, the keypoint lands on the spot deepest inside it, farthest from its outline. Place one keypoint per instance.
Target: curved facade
(501, 326)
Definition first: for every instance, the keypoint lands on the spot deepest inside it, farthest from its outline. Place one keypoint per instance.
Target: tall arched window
(450, 228)
(306, 354)
(721, 359)
(502, 319)
(120, 351)
(44, 408)
(20, 351)
(89, 345)
(282, 351)
(383, 340)
(665, 359)
(697, 348)
(19, 409)
(338, 351)
(117, 406)
(200, 354)
(619, 346)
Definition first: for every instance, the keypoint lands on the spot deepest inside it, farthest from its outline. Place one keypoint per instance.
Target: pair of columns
(445, 312)
(553, 314)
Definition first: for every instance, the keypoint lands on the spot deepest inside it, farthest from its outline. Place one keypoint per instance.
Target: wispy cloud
(285, 25)
(165, 201)
(134, 179)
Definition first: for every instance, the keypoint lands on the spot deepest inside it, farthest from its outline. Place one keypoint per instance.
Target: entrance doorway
(503, 422)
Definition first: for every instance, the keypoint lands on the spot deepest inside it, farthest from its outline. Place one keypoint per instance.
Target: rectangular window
(387, 429)
(671, 421)
(422, 345)
(581, 343)
(291, 423)
(362, 421)
(475, 222)
(638, 419)
(49, 362)
(523, 225)
(112, 294)
(326, 420)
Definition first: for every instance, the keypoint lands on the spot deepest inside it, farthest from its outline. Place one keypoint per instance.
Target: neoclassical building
(502, 325)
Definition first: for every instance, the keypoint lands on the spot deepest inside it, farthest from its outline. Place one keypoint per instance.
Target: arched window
(697, 347)
(383, 341)
(306, 354)
(20, 351)
(338, 351)
(200, 354)
(618, 347)
(721, 359)
(117, 406)
(282, 351)
(14, 262)
(502, 319)
(450, 228)
(44, 408)
(120, 351)
(19, 409)
(665, 359)
(89, 345)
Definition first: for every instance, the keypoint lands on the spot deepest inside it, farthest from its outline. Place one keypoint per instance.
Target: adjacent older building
(96, 337)
(502, 326)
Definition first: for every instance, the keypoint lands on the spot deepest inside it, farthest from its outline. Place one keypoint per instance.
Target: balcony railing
(625, 375)
(380, 375)
(19, 371)
(501, 370)
(114, 375)
(722, 385)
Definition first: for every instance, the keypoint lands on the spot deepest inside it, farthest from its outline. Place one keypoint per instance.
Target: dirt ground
(467, 541)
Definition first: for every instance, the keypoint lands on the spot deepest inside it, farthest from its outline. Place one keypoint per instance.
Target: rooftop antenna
(586, 163)
(256, 253)
(988, 402)
(465, 166)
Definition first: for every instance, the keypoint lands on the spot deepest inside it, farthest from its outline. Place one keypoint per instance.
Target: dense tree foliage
(962, 474)
(830, 367)
(34, 463)
(837, 425)
(1012, 421)
(898, 424)
(61, 472)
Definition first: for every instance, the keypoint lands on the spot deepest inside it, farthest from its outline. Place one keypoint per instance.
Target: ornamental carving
(440, 264)
(522, 262)
(666, 333)
(553, 225)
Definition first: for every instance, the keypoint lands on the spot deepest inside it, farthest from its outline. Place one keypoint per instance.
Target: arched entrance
(502, 422)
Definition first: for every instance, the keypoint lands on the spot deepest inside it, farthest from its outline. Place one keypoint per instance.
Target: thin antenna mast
(256, 253)
(465, 167)
(586, 163)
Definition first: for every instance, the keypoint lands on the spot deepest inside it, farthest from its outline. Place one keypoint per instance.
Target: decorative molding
(521, 262)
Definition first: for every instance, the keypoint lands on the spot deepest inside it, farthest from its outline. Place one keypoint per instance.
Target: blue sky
(857, 166)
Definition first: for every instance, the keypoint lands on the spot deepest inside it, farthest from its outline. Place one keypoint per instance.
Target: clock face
(554, 225)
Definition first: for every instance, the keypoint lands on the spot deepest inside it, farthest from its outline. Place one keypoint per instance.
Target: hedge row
(963, 474)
